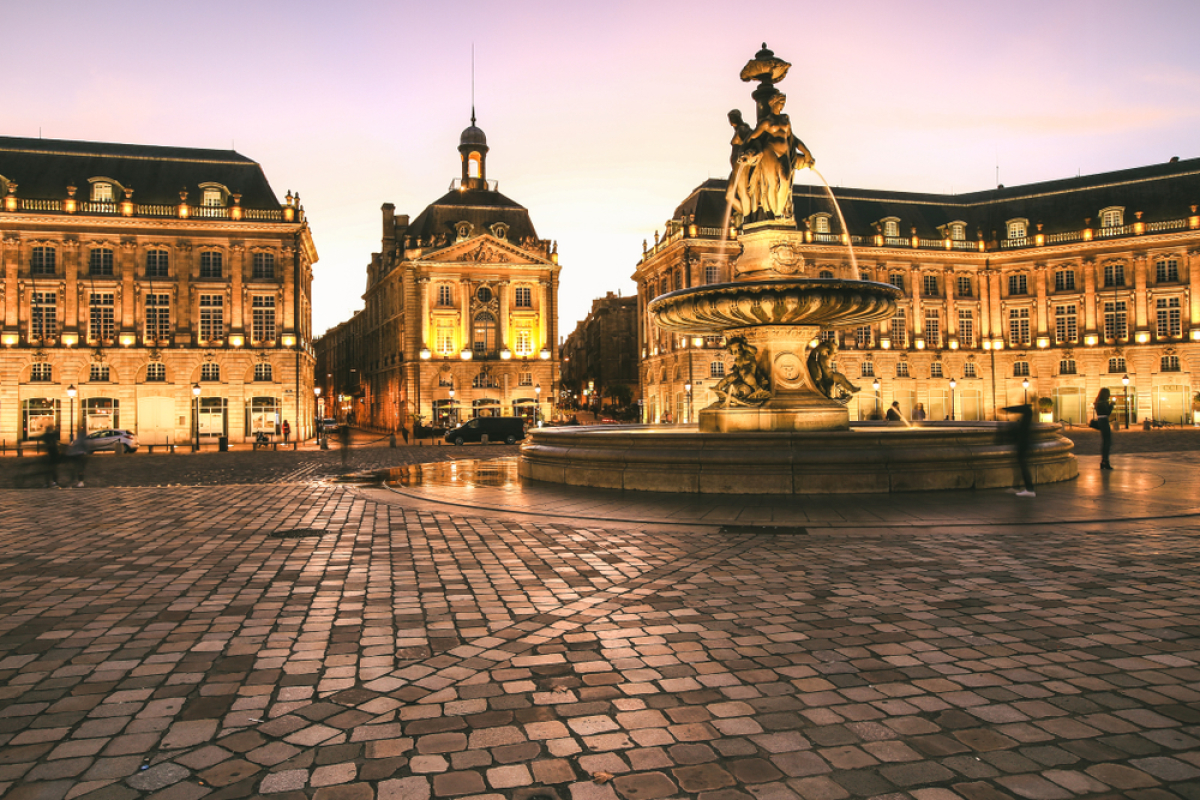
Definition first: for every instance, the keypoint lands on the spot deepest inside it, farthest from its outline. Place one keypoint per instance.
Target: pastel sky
(602, 116)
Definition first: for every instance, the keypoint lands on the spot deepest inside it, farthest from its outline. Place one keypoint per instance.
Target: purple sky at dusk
(601, 117)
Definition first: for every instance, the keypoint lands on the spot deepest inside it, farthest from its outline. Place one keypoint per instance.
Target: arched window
(821, 224)
(826, 273)
(212, 196)
(483, 333)
(891, 228)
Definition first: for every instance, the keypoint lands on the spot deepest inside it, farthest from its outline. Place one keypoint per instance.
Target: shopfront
(38, 414)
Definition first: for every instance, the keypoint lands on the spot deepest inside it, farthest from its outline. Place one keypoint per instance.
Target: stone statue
(824, 377)
(765, 158)
(746, 383)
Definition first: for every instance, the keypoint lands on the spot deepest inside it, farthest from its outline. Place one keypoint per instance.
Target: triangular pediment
(485, 249)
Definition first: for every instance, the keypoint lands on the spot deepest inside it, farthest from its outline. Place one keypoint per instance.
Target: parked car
(509, 430)
(119, 441)
(329, 424)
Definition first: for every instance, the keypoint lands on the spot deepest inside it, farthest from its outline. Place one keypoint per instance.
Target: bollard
(392, 441)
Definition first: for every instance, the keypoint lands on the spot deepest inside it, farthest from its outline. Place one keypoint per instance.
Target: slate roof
(1161, 191)
(43, 168)
(480, 207)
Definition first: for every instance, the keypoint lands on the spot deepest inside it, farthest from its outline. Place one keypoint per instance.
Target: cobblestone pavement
(187, 641)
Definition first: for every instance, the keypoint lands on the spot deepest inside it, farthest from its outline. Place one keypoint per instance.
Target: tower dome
(472, 146)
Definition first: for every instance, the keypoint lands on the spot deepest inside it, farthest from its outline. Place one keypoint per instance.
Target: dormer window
(500, 230)
(102, 192)
(463, 230)
(891, 228)
(958, 231)
(1017, 228)
(1112, 217)
(821, 223)
(212, 197)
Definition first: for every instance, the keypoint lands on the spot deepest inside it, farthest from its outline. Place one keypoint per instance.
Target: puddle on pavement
(494, 473)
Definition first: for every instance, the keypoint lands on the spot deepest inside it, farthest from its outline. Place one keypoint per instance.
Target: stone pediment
(485, 249)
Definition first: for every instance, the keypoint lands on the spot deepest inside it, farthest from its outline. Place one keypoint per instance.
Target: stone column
(1042, 304)
(237, 269)
(1193, 271)
(918, 320)
(183, 297)
(71, 250)
(503, 295)
(465, 306)
(1089, 270)
(10, 260)
(126, 274)
(1140, 302)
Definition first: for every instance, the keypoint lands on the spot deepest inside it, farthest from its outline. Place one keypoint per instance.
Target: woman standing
(1104, 405)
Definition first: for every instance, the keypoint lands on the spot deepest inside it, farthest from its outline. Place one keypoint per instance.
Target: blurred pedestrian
(77, 455)
(1022, 436)
(918, 414)
(1104, 407)
(287, 431)
(52, 455)
(893, 413)
(344, 441)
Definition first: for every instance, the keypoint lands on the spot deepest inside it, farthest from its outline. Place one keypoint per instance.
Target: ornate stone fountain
(780, 425)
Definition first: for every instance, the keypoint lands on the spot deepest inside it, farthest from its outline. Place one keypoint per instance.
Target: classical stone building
(601, 353)
(460, 313)
(165, 290)
(1050, 290)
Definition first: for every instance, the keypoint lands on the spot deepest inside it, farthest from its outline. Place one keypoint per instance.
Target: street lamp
(196, 416)
(71, 392)
(953, 383)
(1125, 382)
(317, 412)
(537, 409)
(875, 386)
(1025, 385)
(453, 410)
(687, 387)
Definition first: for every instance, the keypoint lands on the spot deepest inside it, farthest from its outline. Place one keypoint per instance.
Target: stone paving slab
(167, 642)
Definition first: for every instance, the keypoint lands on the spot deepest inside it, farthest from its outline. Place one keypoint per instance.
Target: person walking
(893, 413)
(918, 414)
(1022, 436)
(287, 431)
(77, 454)
(1104, 407)
(50, 464)
(344, 441)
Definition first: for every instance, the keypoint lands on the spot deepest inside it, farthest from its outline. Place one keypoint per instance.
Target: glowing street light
(1025, 384)
(71, 392)
(875, 386)
(953, 383)
(1125, 383)
(196, 416)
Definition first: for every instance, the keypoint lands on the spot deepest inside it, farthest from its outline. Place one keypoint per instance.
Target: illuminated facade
(1051, 290)
(460, 313)
(116, 309)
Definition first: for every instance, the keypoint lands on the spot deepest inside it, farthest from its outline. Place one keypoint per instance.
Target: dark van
(509, 430)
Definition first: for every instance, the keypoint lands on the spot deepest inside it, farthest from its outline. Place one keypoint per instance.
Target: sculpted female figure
(741, 163)
(769, 186)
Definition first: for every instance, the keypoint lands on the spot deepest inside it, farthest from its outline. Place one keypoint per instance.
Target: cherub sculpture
(746, 383)
(825, 378)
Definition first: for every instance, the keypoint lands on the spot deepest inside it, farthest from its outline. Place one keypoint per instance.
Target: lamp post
(425, 354)
(71, 392)
(687, 388)
(453, 410)
(875, 386)
(1025, 385)
(317, 413)
(537, 409)
(1125, 383)
(196, 416)
(953, 383)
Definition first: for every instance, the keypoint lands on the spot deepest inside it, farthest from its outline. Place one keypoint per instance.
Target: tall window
(1064, 280)
(100, 261)
(712, 273)
(262, 371)
(933, 327)
(41, 261)
(212, 317)
(156, 372)
(525, 379)
(158, 316)
(1117, 364)
(210, 264)
(899, 329)
(43, 316)
(929, 285)
(863, 336)
(483, 334)
(1114, 275)
(445, 297)
(98, 372)
(901, 369)
(1166, 270)
(966, 327)
(964, 286)
(935, 369)
(1020, 369)
(664, 285)
(1018, 325)
(523, 297)
(1169, 364)
(264, 266)
(1018, 284)
(1067, 367)
(444, 340)
(524, 342)
(1066, 324)
(969, 369)
(263, 320)
(868, 369)
(1168, 316)
(40, 373)
(716, 369)
(210, 371)
(157, 264)
(1115, 322)
(101, 322)
(897, 279)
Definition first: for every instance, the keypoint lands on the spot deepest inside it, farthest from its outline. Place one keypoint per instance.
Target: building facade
(183, 315)
(600, 356)
(460, 313)
(1048, 291)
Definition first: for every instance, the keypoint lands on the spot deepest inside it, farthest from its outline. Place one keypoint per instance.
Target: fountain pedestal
(795, 404)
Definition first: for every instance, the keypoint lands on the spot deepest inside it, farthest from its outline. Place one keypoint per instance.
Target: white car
(119, 441)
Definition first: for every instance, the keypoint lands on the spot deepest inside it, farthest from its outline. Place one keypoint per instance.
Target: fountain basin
(871, 457)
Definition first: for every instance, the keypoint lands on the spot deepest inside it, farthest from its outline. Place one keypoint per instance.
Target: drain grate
(770, 530)
(296, 533)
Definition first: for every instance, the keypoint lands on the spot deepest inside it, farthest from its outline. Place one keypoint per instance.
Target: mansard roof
(480, 207)
(1160, 191)
(43, 168)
